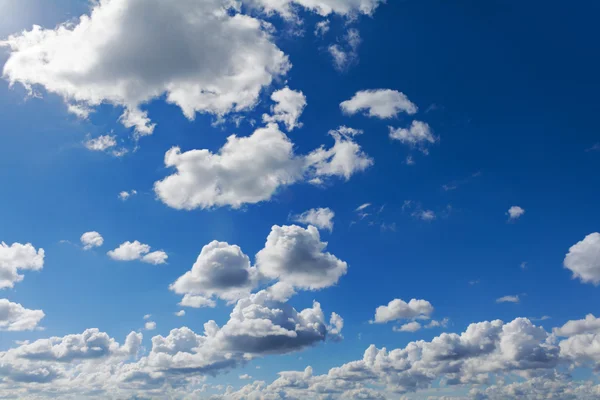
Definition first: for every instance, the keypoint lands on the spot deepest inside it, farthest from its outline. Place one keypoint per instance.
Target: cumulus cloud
(583, 259)
(221, 270)
(249, 170)
(89, 240)
(124, 195)
(508, 299)
(15, 317)
(194, 301)
(324, 8)
(131, 251)
(322, 27)
(379, 103)
(322, 218)
(101, 143)
(590, 324)
(150, 326)
(515, 212)
(296, 256)
(418, 135)
(408, 327)
(180, 313)
(289, 106)
(425, 215)
(208, 58)
(399, 309)
(18, 257)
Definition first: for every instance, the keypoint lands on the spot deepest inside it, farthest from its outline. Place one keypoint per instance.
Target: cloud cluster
(15, 317)
(207, 57)
(583, 259)
(131, 251)
(322, 7)
(15, 258)
(322, 218)
(249, 170)
(418, 135)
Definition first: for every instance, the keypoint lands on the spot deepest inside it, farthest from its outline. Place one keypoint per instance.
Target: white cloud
(508, 299)
(409, 327)
(249, 170)
(89, 240)
(180, 313)
(362, 207)
(245, 377)
(150, 326)
(380, 103)
(348, 8)
(194, 301)
(289, 106)
(515, 212)
(130, 251)
(215, 62)
(322, 27)
(437, 324)
(425, 215)
(101, 143)
(345, 53)
(18, 257)
(322, 218)
(147, 316)
(124, 195)
(399, 309)
(296, 256)
(221, 270)
(590, 324)
(583, 259)
(15, 317)
(418, 135)
(80, 111)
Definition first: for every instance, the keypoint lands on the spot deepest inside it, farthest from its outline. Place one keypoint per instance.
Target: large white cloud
(296, 256)
(18, 257)
(251, 169)
(221, 270)
(590, 324)
(203, 56)
(15, 317)
(380, 103)
(399, 309)
(131, 251)
(583, 259)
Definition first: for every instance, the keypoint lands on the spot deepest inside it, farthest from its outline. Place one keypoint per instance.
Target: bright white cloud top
(380, 103)
(132, 251)
(89, 240)
(15, 317)
(288, 107)
(515, 212)
(583, 259)
(15, 258)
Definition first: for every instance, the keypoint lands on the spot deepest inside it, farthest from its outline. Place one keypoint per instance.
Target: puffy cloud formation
(221, 270)
(590, 324)
(15, 317)
(18, 257)
(515, 212)
(248, 170)
(180, 313)
(150, 326)
(322, 7)
(583, 259)
(207, 57)
(418, 135)
(288, 108)
(399, 309)
(380, 103)
(295, 256)
(89, 240)
(322, 218)
(130, 251)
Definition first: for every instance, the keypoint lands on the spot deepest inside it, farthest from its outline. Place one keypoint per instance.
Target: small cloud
(508, 299)
(474, 282)
(245, 377)
(180, 313)
(150, 326)
(595, 147)
(409, 160)
(437, 324)
(524, 265)
(409, 327)
(124, 195)
(425, 215)
(515, 212)
(321, 28)
(362, 207)
(89, 240)
(147, 316)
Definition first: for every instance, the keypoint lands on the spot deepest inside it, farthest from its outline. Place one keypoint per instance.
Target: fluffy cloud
(296, 256)
(288, 108)
(130, 251)
(508, 299)
(399, 309)
(190, 300)
(590, 324)
(322, 218)
(248, 170)
(180, 313)
(150, 326)
(515, 212)
(18, 257)
(89, 240)
(408, 327)
(322, 7)
(418, 135)
(101, 143)
(380, 103)
(221, 270)
(208, 58)
(15, 317)
(583, 259)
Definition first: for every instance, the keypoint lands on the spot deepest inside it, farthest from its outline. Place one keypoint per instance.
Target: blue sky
(508, 91)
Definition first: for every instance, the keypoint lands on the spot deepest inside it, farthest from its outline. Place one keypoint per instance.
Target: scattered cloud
(583, 259)
(101, 143)
(321, 28)
(147, 316)
(418, 135)
(425, 215)
(346, 8)
(245, 377)
(523, 265)
(379, 103)
(150, 326)
(180, 313)
(514, 213)
(398, 309)
(322, 218)
(124, 195)
(508, 299)
(409, 327)
(89, 240)
(15, 317)
(15, 258)
(131, 251)
(288, 108)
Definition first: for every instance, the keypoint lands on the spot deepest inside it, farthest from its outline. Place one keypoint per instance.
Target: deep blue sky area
(510, 88)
